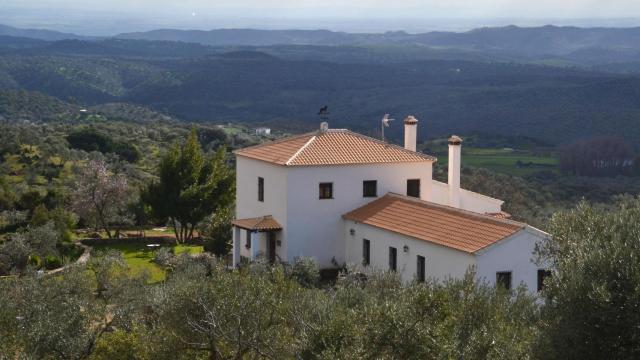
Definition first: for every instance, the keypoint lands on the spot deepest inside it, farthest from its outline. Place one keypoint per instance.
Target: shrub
(15, 253)
(35, 261)
(305, 271)
(218, 231)
(40, 215)
(52, 262)
(164, 257)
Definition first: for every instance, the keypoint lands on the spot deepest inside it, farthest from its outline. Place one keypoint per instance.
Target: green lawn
(506, 161)
(139, 257)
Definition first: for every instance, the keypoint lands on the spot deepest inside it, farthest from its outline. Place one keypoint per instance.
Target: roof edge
(469, 252)
(288, 162)
(288, 138)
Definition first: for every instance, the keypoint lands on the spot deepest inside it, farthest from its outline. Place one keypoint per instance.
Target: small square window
(370, 188)
(326, 190)
(542, 275)
(503, 279)
(413, 188)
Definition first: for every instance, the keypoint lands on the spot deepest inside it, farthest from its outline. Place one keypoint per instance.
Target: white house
(342, 197)
(263, 131)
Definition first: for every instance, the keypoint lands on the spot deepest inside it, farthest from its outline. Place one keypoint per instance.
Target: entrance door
(271, 246)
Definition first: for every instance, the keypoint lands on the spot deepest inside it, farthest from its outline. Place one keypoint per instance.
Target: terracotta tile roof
(263, 223)
(455, 228)
(331, 147)
(500, 215)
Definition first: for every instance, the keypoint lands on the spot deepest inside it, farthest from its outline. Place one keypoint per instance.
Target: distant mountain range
(521, 41)
(537, 41)
(554, 84)
(40, 34)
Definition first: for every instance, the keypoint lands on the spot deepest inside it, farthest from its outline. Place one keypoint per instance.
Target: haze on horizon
(114, 16)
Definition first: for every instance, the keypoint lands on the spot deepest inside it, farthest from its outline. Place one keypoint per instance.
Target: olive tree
(593, 297)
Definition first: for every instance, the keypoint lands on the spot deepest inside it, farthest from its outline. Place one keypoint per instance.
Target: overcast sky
(383, 8)
(312, 13)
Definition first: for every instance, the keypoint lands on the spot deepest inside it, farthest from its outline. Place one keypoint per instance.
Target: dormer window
(326, 191)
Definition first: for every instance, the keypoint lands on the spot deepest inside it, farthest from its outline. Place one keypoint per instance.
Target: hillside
(508, 81)
(548, 103)
(536, 42)
(33, 106)
(41, 34)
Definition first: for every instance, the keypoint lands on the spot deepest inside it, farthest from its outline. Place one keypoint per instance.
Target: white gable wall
(514, 254)
(247, 204)
(315, 227)
(441, 262)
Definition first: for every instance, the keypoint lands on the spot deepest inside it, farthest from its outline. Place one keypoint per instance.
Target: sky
(366, 15)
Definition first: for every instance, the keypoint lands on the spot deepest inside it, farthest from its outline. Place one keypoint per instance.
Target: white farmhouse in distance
(345, 198)
(263, 131)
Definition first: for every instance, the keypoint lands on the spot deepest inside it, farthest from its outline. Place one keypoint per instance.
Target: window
(369, 188)
(421, 271)
(393, 258)
(503, 279)
(366, 252)
(248, 241)
(326, 190)
(542, 275)
(413, 187)
(260, 189)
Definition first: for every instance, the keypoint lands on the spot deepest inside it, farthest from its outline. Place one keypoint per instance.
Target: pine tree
(190, 187)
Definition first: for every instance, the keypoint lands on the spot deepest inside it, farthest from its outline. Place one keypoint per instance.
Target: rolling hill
(536, 42)
(491, 80)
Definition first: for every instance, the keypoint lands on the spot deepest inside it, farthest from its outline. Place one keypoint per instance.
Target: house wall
(441, 262)
(513, 254)
(275, 199)
(315, 227)
(469, 200)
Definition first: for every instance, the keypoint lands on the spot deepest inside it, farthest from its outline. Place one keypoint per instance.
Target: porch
(256, 237)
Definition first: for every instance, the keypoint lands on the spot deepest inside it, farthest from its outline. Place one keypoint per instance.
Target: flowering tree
(100, 197)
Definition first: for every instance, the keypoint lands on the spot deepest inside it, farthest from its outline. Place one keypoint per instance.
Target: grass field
(507, 161)
(139, 257)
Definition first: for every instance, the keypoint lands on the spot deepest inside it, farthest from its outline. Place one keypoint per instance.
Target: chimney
(455, 158)
(410, 133)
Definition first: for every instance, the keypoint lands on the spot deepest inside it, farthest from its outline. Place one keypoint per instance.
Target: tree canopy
(191, 186)
(593, 297)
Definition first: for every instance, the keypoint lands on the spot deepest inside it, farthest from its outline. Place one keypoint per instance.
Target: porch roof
(262, 223)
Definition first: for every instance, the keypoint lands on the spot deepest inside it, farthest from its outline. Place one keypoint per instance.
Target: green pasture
(139, 257)
(507, 161)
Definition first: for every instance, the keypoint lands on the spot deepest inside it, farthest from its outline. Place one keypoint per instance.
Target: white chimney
(455, 158)
(410, 133)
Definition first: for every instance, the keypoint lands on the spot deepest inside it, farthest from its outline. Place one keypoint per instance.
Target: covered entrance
(255, 237)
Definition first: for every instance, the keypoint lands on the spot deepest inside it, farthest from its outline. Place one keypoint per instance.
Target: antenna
(385, 123)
